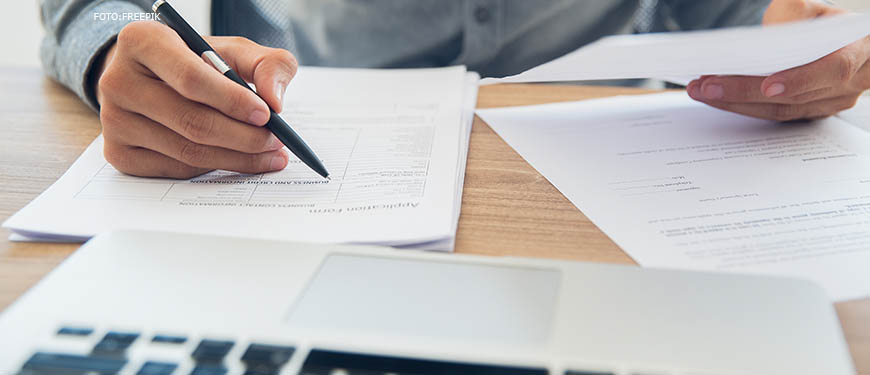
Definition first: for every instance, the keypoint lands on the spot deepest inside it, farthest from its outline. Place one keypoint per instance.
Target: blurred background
(22, 32)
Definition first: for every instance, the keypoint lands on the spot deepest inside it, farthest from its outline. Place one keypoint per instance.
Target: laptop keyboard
(109, 356)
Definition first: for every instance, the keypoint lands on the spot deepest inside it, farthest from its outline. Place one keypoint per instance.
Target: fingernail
(774, 90)
(713, 91)
(278, 162)
(279, 90)
(693, 89)
(258, 117)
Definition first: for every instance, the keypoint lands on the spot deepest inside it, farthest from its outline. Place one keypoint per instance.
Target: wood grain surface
(508, 208)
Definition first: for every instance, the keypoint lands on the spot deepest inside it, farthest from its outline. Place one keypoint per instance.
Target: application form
(683, 56)
(678, 184)
(395, 143)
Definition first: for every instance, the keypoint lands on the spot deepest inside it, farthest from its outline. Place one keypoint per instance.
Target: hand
(816, 90)
(168, 113)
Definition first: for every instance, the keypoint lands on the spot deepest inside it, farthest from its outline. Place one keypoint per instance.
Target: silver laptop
(169, 304)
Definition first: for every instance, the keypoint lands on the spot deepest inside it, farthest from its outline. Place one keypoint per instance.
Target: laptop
(171, 304)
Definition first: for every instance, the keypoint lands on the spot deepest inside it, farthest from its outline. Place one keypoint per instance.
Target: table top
(508, 208)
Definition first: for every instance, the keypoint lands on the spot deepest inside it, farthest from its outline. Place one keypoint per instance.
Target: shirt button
(482, 14)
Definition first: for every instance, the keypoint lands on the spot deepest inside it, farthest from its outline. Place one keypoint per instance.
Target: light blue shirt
(493, 37)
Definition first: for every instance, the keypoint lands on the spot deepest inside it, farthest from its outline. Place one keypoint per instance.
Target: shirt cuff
(86, 37)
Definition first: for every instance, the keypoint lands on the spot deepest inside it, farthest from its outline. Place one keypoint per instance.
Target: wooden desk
(508, 208)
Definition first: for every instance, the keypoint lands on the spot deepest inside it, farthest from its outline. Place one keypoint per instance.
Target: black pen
(276, 124)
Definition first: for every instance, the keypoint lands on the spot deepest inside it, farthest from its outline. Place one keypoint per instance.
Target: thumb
(270, 69)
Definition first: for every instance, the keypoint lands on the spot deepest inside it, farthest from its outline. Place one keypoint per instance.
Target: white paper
(678, 184)
(394, 142)
(860, 114)
(683, 56)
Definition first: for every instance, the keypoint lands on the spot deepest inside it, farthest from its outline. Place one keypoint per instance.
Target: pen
(276, 124)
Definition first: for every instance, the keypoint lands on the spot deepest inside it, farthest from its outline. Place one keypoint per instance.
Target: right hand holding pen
(167, 113)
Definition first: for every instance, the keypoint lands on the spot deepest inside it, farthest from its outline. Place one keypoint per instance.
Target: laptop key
(75, 331)
(68, 364)
(115, 343)
(261, 359)
(267, 354)
(169, 339)
(157, 368)
(209, 370)
(212, 351)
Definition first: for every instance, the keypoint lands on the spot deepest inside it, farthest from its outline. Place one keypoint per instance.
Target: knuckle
(237, 100)
(135, 34)
(187, 78)
(116, 155)
(283, 58)
(257, 163)
(746, 91)
(846, 66)
(808, 97)
(196, 124)
(112, 81)
(259, 141)
(784, 112)
(110, 118)
(238, 40)
(193, 154)
(799, 84)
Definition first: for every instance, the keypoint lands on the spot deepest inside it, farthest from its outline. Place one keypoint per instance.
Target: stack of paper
(395, 142)
(683, 56)
(678, 184)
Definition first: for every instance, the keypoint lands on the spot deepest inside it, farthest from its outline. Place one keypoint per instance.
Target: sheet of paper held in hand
(683, 56)
(394, 142)
(678, 184)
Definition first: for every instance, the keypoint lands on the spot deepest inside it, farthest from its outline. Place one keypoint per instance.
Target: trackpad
(440, 300)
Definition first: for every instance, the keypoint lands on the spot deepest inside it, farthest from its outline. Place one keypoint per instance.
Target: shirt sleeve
(709, 14)
(77, 32)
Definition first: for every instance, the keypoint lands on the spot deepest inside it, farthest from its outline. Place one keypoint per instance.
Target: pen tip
(328, 178)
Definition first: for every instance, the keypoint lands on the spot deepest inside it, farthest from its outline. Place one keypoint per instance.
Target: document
(683, 56)
(677, 184)
(860, 114)
(395, 142)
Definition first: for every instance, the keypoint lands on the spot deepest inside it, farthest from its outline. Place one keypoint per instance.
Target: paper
(860, 114)
(395, 143)
(677, 184)
(683, 56)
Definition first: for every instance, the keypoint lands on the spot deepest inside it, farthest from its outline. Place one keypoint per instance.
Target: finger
(196, 122)
(747, 89)
(788, 112)
(162, 52)
(836, 70)
(143, 132)
(271, 69)
(734, 89)
(143, 162)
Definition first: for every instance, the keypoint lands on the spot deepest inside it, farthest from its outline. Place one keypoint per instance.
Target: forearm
(75, 39)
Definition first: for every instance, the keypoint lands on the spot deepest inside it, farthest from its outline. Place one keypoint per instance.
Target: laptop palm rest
(382, 297)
